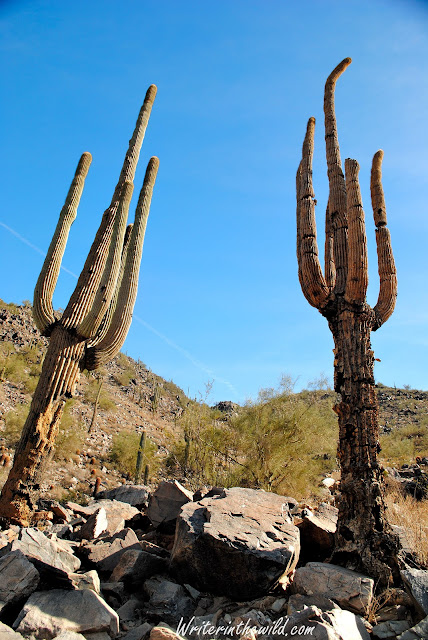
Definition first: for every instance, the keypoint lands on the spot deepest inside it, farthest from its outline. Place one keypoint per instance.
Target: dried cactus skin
(99, 313)
(364, 539)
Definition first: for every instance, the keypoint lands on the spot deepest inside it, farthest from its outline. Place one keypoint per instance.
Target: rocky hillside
(132, 399)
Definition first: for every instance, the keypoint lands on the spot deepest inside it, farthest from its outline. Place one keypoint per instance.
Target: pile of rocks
(235, 563)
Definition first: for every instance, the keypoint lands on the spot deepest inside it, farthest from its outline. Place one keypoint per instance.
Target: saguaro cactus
(363, 539)
(96, 321)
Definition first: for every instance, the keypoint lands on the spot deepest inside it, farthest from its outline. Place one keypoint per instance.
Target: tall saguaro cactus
(363, 538)
(96, 321)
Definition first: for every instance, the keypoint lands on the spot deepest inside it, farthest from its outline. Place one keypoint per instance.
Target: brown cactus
(363, 540)
(96, 321)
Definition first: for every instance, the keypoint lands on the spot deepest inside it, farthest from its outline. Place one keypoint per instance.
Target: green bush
(14, 421)
(402, 444)
(105, 401)
(124, 452)
(71, 434)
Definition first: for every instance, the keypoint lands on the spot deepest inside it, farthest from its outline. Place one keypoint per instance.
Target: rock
(47, 613)
(117, 512)
(135, 494)
(135, 566)
(167, 599)
(95, 525)
(317, 530)
(416, 581)
(52, 559)
(130, 611)
(347, 625)
(69, 635)
(349, 589)
(139, 633)
(19, 578)
(390, 629)
(164, 633)
(297, 602)
(165, 503)
(88, 580)
(236, 544)
(418, 632)
(105, 555)
(6, 633)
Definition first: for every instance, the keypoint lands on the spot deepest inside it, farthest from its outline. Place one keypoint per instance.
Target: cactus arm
(127, 293)
(105, 324)
(313, 284)
(337, 192)
(387, 272)
(357, 280)
(90, 278)
(88, 327)
(329, 266)
(42, 307)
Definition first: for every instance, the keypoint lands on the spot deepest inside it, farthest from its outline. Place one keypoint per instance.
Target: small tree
(95, 323)
(363, 540)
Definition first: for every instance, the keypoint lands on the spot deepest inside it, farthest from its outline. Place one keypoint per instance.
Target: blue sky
(237, 80)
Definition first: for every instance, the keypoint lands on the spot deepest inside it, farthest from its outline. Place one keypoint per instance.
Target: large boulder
(19, 578)
(135, 566)
(418, 632)
(52, 558)
(136, 495)
(167, 600)
(105, 554)
(6, 633)
(238, 543)
(416, 582)
(349, 589)
(48, 613)
(166, 502)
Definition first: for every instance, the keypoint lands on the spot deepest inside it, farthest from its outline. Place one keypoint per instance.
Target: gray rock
(130, 611)
(347, 625)
(140, 632)
(105, 554)
(297, 602)
(95, 525)
(135, 566)
(167, 599)
(416, 581)
(390, 629)
(47, 613)
(88, 580)
(165, 503)
(52, 558)
(6, 633)
(97, 636)
(418, 632)
(349, 589)
(237, 544)
(135, 494)
(19, 578)
(117, 512)
(317, 530)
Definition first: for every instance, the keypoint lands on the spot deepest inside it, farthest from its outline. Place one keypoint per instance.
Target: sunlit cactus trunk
(364, 540)
(95, 323)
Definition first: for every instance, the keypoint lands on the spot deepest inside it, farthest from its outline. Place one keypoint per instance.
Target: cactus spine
(363, 539)
(96, 321)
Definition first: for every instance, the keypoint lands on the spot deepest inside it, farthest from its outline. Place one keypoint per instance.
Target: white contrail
(33, 246)
(196, 363)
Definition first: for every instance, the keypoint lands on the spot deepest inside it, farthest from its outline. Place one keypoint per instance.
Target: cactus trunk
(363, 533)
(95, 323)
(59, 376)
(364, 540)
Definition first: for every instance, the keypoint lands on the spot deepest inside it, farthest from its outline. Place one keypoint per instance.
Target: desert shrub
(405, 511)
(105, 401)
(23, 366)
(71, 434)
(124, 450)
(402, 444)
(14, 421)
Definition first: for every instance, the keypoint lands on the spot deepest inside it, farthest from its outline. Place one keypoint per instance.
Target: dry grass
(405, 511)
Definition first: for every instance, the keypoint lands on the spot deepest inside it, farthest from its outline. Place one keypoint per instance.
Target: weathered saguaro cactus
(96, 321)
(363, 539)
